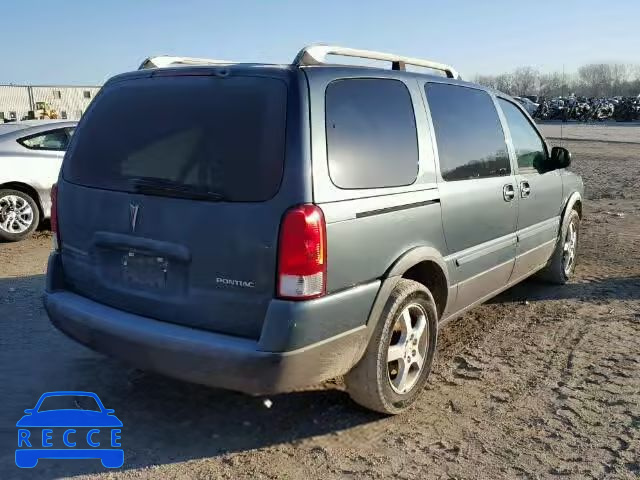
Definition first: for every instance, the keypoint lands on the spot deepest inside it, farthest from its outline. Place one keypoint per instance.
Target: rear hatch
(169, 203)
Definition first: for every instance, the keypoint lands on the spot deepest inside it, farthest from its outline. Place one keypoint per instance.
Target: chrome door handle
(525, 189)
(508, 192)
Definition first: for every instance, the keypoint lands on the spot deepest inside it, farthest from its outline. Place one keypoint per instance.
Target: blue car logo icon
(69, 425)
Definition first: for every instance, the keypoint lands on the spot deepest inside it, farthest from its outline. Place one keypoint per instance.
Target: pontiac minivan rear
(188, 242)
(170, 198)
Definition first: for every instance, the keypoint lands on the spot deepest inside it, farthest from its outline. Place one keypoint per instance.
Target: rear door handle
(508, 192)
(525, 189)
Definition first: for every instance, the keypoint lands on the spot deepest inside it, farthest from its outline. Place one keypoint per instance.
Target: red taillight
(302, 253)
(54, 215)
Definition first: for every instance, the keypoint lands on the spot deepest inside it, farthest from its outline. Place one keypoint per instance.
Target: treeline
(593, 80)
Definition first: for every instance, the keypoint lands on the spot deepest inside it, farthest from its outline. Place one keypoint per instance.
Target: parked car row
(588, 109)
(31, 154)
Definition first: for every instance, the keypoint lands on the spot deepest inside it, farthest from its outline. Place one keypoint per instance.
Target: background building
(70, 102)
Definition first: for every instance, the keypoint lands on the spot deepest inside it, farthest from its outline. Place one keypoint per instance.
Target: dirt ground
(618, 132)
(543, 381)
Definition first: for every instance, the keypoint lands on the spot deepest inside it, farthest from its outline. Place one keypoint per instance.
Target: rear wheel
(397, 362)
(562, 264)
(19, 215)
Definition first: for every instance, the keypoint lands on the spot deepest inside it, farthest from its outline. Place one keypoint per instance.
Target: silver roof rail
(164, 61)
(316, 55)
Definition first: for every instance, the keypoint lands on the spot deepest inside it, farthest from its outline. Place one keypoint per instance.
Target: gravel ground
(543, 381)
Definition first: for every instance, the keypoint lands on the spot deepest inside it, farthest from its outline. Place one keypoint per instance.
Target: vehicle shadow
(586, 289)
(165, 420)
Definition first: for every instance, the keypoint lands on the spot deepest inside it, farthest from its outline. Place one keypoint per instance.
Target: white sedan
(30, 158)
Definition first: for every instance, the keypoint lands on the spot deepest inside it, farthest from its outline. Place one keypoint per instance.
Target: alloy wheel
(16, 214)
(569, 248)
(407, 348)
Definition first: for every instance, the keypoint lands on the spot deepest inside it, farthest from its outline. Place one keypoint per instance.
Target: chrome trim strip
(485, 272)
(477, 251)
(405, 206)
(537, 247)
(552, 223)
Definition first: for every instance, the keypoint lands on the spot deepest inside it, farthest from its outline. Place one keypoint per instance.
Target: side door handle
(525, 189)
(508, 192)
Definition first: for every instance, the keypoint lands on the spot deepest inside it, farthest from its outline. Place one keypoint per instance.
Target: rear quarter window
(371, 134)
(225, 135)
(53, 140)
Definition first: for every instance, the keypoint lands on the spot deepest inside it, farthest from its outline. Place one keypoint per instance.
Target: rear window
(223, 135)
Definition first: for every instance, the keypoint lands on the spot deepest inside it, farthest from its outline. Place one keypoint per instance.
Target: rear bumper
(196, 355)
(206, 357)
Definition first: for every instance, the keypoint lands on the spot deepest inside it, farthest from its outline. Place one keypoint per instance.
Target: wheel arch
(574, 202)
(421, 264)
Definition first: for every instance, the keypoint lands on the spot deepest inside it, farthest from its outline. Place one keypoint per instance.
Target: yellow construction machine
(45, 112)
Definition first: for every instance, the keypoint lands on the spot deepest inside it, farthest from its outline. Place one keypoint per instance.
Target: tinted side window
(54, 140)
(528, 145)
(468, 132)
(371, 134)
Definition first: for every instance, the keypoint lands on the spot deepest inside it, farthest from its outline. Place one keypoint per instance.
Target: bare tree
(619, 74)
(504, 83)
(486, 80)
(553, 84)
(593, 80)
(525, 80)
(596, 78)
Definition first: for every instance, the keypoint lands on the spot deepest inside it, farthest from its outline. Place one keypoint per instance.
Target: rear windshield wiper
(168, 188)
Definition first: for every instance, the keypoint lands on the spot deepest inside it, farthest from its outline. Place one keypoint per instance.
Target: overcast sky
(86, 42)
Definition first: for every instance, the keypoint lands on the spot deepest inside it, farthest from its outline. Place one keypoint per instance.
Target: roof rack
(164, 61)
(316, 55)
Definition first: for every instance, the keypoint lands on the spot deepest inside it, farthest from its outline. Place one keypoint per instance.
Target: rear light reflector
(54, 217)
(302, 254)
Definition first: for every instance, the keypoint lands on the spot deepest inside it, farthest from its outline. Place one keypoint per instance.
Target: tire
(23, 225)
(372, 383)
(556, 271)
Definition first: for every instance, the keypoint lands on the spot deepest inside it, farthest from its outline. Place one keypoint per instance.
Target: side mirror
(29, 411)
(560, 157)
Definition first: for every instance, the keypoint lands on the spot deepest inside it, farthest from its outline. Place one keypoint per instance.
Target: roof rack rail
(164, 61)
(316, 55)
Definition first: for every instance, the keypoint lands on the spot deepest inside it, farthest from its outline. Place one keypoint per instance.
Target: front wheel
(562, 264)
(19, 215)
(397, 362)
